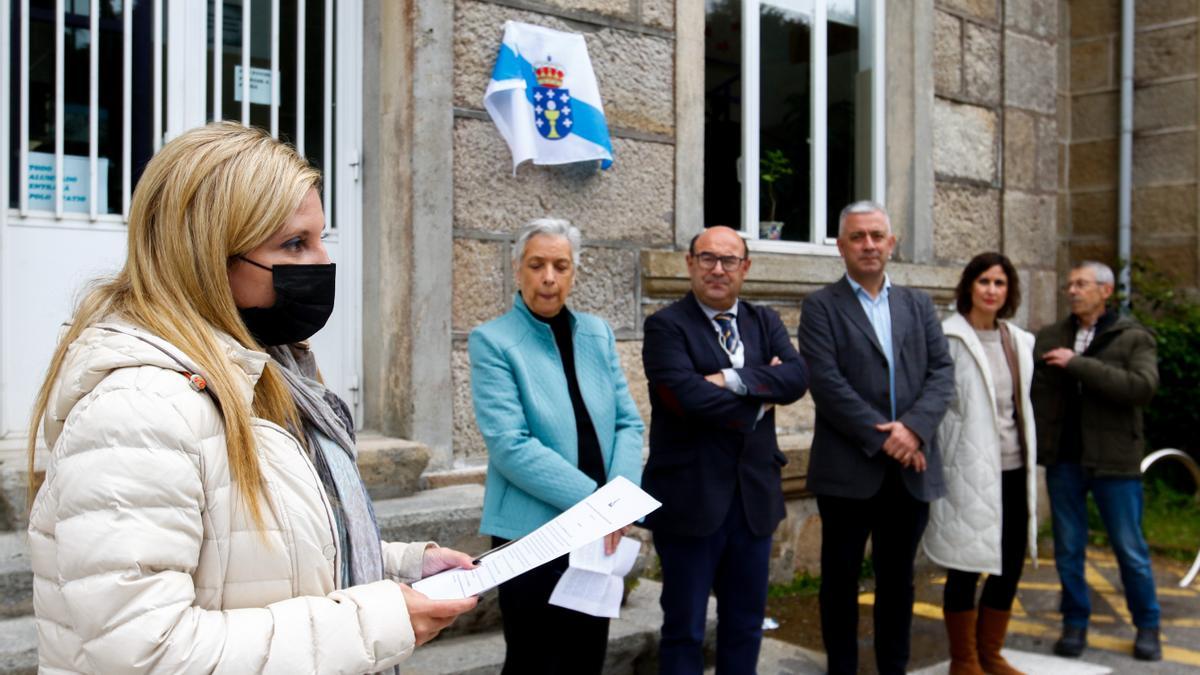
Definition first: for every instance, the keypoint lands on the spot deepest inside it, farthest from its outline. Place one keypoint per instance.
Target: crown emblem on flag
(549, 75)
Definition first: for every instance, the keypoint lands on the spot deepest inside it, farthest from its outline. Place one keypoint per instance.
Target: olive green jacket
(1114, 379)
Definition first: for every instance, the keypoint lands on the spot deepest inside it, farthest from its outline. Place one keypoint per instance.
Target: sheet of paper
(594, 582)
(610, 508)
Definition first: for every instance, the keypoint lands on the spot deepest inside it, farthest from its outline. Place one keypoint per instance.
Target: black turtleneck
(591, 461)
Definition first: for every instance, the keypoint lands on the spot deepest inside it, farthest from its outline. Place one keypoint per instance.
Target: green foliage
(1170, 521)
(803, 584)
(772, 166)
(1173, 416)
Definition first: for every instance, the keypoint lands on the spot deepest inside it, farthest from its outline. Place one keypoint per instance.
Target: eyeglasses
(1078, 283)
(708, 261)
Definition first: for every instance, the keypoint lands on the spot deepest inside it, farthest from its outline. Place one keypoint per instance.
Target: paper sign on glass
(606, 510)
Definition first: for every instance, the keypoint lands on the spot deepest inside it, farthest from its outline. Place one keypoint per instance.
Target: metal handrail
(1194, 468)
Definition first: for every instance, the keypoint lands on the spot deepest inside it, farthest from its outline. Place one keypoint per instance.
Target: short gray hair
(862, 206)
(1103, 273)
(554, 227)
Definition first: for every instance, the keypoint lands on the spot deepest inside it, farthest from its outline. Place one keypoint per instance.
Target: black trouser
(542, 639)
(895, 521)
(998, 591)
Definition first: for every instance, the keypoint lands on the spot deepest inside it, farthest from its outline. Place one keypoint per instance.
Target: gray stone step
(391, 468)
(18, 646)
(632, 642)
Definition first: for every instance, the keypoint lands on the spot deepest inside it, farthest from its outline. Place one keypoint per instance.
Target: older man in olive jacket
(1095, 371)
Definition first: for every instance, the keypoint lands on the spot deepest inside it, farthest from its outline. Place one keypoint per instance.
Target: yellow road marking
(1106, 590)
(1017, 608)
(1182, 623)
(1177, 592)
(1037, 586)
(1181, 655)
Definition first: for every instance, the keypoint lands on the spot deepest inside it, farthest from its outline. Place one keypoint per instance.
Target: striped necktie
(729, 339)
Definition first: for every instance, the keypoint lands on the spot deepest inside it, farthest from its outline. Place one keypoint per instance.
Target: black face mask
(303, 303)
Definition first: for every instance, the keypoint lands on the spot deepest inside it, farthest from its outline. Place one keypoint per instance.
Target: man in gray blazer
(881, 379)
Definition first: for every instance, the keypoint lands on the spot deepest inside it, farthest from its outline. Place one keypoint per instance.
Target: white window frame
(871, 24)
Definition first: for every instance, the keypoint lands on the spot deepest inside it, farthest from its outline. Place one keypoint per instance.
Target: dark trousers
(543, 639)
(732, 562)
(895, 521)
(999, 590)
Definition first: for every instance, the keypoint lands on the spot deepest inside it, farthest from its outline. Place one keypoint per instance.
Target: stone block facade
(1165, 227)
(975, 126)
(995, 136)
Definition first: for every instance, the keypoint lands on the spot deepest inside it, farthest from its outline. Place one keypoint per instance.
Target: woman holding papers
(202, 510)
(987, 519)
(553, 406)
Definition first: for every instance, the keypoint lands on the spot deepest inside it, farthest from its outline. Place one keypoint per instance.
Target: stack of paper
(595, 582)
(606, 510)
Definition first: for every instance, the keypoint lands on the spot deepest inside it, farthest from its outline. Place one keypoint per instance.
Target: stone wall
(621, 211)
(1164, 221)
(995, 123)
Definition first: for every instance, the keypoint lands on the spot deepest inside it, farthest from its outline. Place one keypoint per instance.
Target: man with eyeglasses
(1094, 372)
(716, 366)
(882, 378)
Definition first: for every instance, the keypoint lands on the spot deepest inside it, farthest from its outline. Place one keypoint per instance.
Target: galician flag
(544, 100)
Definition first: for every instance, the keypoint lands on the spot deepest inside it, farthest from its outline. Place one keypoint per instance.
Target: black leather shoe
(1074, 639)
(1147, 647)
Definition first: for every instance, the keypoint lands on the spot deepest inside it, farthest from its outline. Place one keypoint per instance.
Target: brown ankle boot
(960, 628)
(989, 636)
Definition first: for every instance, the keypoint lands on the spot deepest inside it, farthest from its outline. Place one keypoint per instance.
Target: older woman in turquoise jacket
(554, 409)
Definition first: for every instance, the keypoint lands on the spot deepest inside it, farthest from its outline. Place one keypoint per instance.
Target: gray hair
(863, 206)
(554, 227)
(1103, 273)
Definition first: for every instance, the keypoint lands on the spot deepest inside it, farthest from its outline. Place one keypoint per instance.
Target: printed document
(595, 582)
(606, 510)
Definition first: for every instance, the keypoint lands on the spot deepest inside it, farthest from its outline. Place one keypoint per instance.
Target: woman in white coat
(202, 510)
(986, 522)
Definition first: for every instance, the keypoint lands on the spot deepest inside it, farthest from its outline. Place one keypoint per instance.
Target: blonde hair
(212, 193)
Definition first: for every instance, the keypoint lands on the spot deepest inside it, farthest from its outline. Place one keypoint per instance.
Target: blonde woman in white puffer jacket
(201, 510)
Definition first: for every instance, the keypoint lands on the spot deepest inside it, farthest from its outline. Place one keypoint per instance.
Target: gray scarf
(329, 433)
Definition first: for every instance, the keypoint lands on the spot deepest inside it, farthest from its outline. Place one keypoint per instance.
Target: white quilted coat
(965, 526)
(144, 560)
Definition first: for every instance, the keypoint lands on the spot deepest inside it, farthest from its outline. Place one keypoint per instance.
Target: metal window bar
(246, 10)
(878, 94)
(818, 132)
(300, 75)
(751, 30)
(275, 68)
(218, 110)
(327, 159)
(23, 157)
(60, 12)
(93, 108)
(127, 108)
(157, 20)
(5, 114)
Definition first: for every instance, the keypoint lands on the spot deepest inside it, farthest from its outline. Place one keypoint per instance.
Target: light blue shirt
(879, 313)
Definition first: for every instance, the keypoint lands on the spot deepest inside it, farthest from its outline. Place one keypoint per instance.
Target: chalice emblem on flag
(551, 102)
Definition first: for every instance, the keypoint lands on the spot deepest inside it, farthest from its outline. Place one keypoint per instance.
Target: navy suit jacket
(850, 389)
(706, 442)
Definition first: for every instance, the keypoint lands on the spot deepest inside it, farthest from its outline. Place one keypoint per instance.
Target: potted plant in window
(774, 165)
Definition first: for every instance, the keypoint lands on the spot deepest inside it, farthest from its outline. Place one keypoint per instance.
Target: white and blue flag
(544, 100)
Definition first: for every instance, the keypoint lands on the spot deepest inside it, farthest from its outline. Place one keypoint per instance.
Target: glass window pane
(785, 77)
(722, 113)
(849, 132)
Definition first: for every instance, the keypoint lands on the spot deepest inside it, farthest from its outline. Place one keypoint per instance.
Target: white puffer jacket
(965, 526)
(144, 559)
